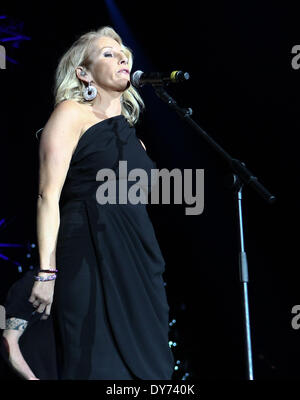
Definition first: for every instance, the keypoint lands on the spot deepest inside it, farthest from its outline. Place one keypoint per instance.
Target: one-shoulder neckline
(121, 116)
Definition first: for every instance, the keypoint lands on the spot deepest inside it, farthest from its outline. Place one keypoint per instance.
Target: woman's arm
(58, 141)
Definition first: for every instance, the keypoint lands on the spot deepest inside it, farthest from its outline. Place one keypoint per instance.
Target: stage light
(11, 34)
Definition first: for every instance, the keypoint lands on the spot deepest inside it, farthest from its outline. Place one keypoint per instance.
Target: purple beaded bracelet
(45, 279)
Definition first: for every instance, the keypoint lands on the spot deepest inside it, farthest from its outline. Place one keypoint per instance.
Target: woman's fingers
(47, 312)
(34, 301)
(32, 298)
(40, 305)
(41, 308)
(41, 297)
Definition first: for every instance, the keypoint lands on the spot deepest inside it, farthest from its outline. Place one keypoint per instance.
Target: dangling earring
(90, 92)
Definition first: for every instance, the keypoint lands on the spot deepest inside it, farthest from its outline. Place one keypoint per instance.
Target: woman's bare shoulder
(66, 119)
(68, 113)
(84, 114)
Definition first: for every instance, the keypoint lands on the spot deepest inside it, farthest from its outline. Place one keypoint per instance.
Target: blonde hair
(68, 86)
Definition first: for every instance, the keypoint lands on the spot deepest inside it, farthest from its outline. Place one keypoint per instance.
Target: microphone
(140, 78)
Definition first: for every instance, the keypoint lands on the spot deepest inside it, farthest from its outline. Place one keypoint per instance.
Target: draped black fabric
(111, 309)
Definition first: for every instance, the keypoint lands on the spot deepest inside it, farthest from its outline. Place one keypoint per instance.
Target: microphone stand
(241, 176)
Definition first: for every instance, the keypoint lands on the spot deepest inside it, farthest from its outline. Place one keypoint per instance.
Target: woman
(111, 309)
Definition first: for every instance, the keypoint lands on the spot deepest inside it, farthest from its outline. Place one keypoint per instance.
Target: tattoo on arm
(16, 324)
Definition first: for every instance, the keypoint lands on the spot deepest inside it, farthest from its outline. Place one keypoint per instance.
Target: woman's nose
(124, 59)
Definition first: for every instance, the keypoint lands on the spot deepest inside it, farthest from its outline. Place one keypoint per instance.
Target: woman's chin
(123, 84)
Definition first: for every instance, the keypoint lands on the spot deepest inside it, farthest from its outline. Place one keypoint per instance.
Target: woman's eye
(108, 54)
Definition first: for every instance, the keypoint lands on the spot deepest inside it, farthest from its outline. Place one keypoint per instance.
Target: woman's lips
(124, 71)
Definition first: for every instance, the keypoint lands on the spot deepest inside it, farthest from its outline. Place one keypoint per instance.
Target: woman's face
(110, 68)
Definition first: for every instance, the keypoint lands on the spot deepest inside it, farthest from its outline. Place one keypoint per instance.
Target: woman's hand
(42, 296)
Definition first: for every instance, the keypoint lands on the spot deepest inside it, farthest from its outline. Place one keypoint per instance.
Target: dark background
(244, 93)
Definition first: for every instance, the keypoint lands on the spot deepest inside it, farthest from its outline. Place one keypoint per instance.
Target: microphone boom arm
(237, 166)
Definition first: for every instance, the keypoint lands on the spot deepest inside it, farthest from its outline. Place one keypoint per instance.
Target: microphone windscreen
(135, 78)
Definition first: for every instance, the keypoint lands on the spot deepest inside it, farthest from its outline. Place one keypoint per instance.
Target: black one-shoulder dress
(110, 303)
